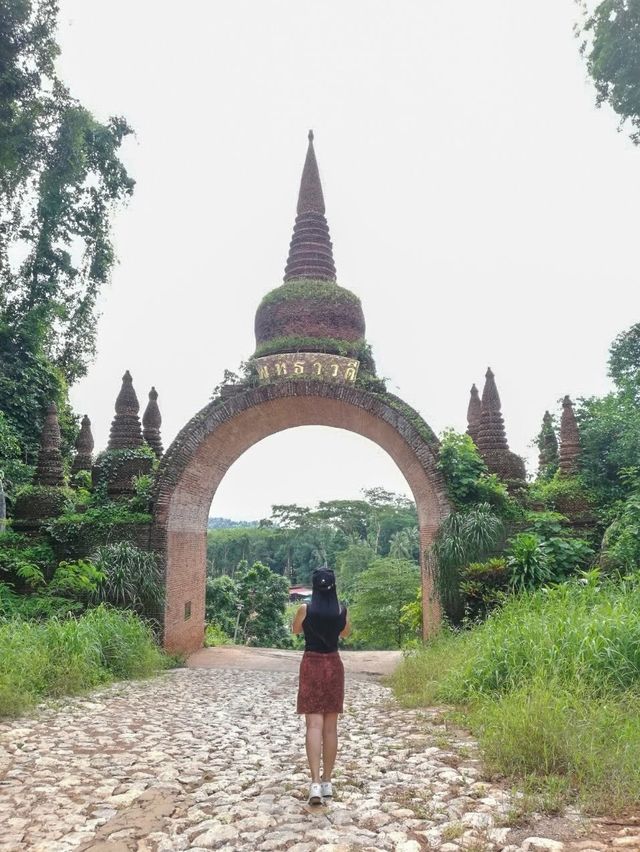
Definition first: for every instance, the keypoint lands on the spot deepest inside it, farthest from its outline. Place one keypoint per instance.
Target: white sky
(481, 207)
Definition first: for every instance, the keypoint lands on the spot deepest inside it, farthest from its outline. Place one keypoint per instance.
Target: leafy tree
(263, 596)
(60, 179)
(611, 44)
(222, 603)
(382, 593)
(624, 362)
(350, 564)
(405, 544)
(610, 427)
(547, 444)
(463, 538)
(466, 476)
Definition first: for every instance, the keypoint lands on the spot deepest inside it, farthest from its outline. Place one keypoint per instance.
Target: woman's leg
(329, 744)
(313, 743)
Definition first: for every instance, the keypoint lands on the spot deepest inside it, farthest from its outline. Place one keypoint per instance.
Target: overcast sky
(479, 204)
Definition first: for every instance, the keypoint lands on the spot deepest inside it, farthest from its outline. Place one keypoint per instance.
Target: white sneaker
(315, 794)
(327, 789)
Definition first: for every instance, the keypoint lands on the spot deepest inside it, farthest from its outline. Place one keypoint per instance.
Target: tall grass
(65, 656)
(551, 686)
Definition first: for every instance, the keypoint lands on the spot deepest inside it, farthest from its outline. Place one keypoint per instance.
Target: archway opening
(210, 444)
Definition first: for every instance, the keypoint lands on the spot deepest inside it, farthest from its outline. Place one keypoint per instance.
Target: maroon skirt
(321, 686)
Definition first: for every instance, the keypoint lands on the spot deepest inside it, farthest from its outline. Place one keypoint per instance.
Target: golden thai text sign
(307, 365)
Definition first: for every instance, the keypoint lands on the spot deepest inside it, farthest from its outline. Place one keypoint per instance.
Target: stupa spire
(491, 434)
(49, 469)
(569, 439)
(548, 446)
(492, 437)
(125, 428)
(310, 251)
(474, 414)
(151, 422)
(84, 447)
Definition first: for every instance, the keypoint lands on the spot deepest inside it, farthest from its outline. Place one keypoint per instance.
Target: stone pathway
(213, 759)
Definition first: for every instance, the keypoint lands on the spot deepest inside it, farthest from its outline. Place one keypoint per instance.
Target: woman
(321, 687)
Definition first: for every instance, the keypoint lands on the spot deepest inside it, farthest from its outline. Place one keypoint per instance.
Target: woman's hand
(300, 616)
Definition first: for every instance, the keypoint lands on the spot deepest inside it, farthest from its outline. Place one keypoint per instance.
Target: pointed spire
(310, 251)
(84, 447)
(125, 428)
(49, 467)
(474, 414)
(491, 434)
(548, 446)
(569, 440)
(492, 438)
(151, 422)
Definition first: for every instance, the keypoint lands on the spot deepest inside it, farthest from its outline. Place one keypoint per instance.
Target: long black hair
(324, 597)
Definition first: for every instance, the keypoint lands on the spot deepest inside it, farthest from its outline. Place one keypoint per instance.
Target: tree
(221, 603)
(263, 596)
(611, 44)
(350, 564)
(60, 179)
(382, 591)
(405, 544)
(624, 362)
(547, 444)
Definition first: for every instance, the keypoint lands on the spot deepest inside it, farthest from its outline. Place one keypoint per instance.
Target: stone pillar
(84, 447)
(151, 422)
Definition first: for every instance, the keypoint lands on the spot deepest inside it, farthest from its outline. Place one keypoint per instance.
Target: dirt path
(357, 664)
(212, 757)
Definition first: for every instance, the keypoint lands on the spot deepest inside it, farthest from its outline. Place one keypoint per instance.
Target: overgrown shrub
(64, 656)
(550, 683)
(133, 578)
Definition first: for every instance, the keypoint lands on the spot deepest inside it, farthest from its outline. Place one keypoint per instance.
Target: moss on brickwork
(307, 288)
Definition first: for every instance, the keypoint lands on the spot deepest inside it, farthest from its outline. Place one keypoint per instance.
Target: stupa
(310, 312)
(474, 414)
(569, 440)
(492, 439)
(83, 458)
(151, 422)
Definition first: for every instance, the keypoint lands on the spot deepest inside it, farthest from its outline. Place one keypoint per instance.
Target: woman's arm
(346, 630)
(296, 627)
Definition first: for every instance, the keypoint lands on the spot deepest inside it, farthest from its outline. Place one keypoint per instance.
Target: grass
(70, 655)
(550, 685)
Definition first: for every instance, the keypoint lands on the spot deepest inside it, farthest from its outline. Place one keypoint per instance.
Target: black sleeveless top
(321, 632)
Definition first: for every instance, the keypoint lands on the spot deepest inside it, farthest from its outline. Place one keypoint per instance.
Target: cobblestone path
(214, 759)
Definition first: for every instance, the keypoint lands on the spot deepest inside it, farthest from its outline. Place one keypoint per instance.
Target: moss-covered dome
(309, 309)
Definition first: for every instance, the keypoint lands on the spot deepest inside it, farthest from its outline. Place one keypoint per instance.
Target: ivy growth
(309, 288)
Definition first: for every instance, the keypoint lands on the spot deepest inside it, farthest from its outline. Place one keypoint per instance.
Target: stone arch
(210, 443)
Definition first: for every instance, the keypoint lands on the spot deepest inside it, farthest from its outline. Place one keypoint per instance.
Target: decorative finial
(310, 136)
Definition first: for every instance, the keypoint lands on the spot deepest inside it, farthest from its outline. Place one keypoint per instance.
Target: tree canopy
(60, 180)
(611, 44)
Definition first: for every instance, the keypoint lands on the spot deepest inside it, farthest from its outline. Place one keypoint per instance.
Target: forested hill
(227, 524)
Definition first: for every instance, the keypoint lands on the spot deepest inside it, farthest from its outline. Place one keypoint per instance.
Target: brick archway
(210, 443)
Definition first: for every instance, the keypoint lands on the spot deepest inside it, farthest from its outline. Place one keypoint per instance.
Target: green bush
(65, 656)
(132, 578)
(550, 683)
(621, 542)
(467, 478)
